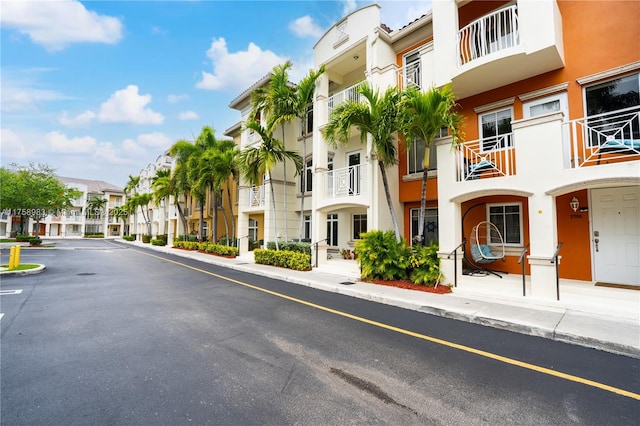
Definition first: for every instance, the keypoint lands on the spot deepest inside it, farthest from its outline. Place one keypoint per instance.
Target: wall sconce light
(575, 204)
(356, 57)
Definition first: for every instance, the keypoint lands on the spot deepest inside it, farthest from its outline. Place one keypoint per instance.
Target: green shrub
(94, 235)
(35, 241)
(163, 237)
(158, 242)
(424, 265)
(23, 238)
(291, 246)
(129, 237)
(253, 245)
(228, 241)
(146, 238)
(283, 258)
(381, 257)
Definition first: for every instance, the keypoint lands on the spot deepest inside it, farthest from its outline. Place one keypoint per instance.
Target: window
(412, 70)
(332, 229)
(495, 130)
(359, 225)
(308, 178)
(548, 104)
(205, 231)
(508, 219)
(605, 101)
(307, 227)
(253, 230)
(430, 225)
(613, 95)
(415, 162)
(307, 121)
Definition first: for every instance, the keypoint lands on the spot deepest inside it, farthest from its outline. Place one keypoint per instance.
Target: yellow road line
(479, 352)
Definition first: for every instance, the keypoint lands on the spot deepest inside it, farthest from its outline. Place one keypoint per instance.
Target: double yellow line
(464, 348)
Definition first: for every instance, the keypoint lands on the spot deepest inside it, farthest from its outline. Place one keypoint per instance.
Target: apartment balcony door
(355, 176)
(616, 234)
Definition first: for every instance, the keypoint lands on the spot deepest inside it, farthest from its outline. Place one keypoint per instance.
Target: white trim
(634, 66)
(544, 92)
(495, 105)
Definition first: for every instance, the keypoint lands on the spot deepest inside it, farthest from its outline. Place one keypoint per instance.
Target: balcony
(255, 196)
(606, 138)
(410, 76)
(348, 94)
(501, 47)
(343, 183)
(489, 34)
(486, 158)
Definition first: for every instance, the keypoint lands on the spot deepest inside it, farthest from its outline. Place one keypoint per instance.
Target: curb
(39, 269)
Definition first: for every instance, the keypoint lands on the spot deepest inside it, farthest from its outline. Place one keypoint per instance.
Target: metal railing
(315, 248)
(348, 94)
(611, 136)
(345, 182)
(454, 253)
(554, 259)
(520, 260)
(410, 76)
(486, 158)
(489, 34)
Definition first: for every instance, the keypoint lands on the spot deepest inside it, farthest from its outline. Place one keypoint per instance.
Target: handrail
(524, 251)
(554, 259)
(316, 250)
(455, 261)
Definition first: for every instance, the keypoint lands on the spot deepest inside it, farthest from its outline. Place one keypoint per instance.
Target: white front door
(615, 236)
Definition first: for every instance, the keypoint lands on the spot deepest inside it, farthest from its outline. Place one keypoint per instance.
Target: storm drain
(86, 273)
(347, 283)
(369, 387)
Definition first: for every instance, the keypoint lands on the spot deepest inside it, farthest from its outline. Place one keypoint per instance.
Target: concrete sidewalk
(607, 319)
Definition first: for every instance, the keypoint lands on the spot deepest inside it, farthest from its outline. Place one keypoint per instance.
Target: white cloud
(60, 142)
(306, 27)
(56, 24)
(348, 6)
(174, 99)
(124, 106)
(239, 70)
(12, 146)
(21, 89)
(188, 115)
(79, 120)
(155, 140)
(128, 106)
(105, 152)
(397, 14)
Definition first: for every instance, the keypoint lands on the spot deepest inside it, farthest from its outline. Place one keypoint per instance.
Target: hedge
(217, 249)
(283, 258)
(291, 246)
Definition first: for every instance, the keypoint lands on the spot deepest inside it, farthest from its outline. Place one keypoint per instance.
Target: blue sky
(99, 89)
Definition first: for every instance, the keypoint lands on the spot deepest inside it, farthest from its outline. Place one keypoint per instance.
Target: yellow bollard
(12, 256)
(16, 261)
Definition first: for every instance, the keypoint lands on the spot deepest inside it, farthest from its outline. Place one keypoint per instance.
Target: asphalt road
(112, 334)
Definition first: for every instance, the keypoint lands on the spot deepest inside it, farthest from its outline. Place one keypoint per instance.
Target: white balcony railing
(482, 159)
(489, 34)
(346, 182)
(410, 76)
(256, 196)
(603, 138)
(348, 94)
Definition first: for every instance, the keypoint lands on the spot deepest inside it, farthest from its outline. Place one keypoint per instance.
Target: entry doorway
(615, 235)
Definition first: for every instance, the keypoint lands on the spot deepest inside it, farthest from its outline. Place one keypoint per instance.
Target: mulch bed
(441, 289)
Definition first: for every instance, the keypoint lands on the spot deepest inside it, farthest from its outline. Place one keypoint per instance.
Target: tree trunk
(284, 192)
(214, 225)
(185, 225)
(423, 206)
(303, 178)
(273, 203)
(201, 222)
(387, 193)
(226, 222)
(233, 219)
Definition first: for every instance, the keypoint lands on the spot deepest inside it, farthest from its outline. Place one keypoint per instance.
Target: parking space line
(8, 292)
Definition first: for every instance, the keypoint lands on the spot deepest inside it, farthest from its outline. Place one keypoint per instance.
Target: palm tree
(142, 201)
(162, 175)
(423, 115)
(378, 118)
(130, 189)
(121, 212)
(255, 161)
(191, 173)
(225, 164)
(283, 102)
(164, 187)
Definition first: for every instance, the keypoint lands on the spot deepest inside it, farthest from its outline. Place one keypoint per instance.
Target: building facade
(551, 151)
